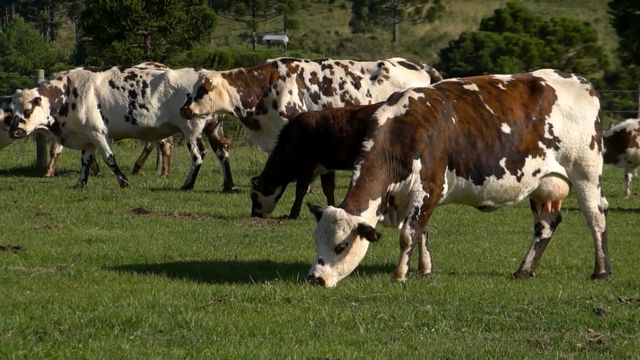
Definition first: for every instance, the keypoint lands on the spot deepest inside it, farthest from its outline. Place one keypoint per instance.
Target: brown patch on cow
(251, 84)
(617, 143)
(53, 94)
(408, 65)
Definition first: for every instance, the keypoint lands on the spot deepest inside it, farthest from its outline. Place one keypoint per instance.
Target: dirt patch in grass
(184, 216)
(11, 248)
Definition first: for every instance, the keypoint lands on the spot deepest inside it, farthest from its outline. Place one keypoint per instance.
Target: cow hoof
(79, 186)
(229, 190)
(601, 276)
(124, 183)
(522, 275)
(186, 187)
(427, 274)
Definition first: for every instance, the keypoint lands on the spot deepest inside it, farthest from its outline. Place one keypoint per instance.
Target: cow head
(30, 112)
(342, 241)
(5, 121)
(264, 197)
(211, 94)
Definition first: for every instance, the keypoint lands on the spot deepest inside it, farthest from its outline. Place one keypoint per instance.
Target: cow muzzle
(17, 133)
(316, 280)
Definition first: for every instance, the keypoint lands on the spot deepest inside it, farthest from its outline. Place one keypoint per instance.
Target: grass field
(150, 272)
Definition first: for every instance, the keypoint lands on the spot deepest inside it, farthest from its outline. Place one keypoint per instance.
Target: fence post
(42, 157)
(638, 102)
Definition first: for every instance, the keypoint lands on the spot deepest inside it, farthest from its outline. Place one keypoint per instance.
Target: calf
(485, 141)
(622, 149)
(264, 97)
(312, 143)
(84, 107)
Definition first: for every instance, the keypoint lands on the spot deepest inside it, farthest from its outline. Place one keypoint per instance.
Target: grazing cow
(486, 141)
(312, 143)
(84, 107)
(622, 149)
(263, 97)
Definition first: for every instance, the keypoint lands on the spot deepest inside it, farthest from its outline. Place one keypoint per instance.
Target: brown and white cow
(85, 107)
(622, 149)
(265, 96)
(312, 143)
(486, 141)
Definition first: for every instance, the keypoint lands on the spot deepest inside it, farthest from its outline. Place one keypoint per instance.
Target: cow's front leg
(545, 221)
(628, 176)
(328, 182)
(196, 148)
(220, 145)
(85, 161)
(302, 184)
(107, 155)
(54, 154)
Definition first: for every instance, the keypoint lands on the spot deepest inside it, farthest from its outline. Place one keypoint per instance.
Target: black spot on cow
(112, 84)
(74, 92)
(394, 98)
(131, 76)
(64, 109)
(133, 94)
(55, 128)
(73, 106)
(536, 172)
(563, 74)
(408, 65)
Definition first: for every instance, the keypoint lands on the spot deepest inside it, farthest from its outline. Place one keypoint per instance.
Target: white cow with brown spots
(485, 141)
(622, 149)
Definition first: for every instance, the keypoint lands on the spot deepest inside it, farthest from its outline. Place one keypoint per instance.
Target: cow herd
(412, 140)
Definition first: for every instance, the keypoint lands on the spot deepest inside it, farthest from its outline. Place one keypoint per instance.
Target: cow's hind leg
(220, 145)
(85, 161)
(628, 176)
(594, 207)
(163, 161)
(146, 151)
(545, 223)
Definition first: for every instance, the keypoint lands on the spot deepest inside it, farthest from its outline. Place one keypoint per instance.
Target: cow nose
(186, 112)
(315, 280)
(17, 133)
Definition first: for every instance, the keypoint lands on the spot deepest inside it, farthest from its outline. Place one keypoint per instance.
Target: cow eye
(340, 247)
(27, 113)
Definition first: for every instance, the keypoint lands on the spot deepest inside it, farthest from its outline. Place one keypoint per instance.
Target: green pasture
(151, 272)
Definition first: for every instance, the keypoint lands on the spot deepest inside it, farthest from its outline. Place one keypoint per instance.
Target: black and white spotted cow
(311, 144)
(486, 141)
(622, 149)
(84, 107)
(265, 96)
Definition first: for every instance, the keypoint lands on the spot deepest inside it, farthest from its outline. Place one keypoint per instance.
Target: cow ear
(315, 210)
(368, 232)
(255, 182)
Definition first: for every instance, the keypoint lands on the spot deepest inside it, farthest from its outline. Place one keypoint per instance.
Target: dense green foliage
(515, 40)
(132, 31)
(151, 272)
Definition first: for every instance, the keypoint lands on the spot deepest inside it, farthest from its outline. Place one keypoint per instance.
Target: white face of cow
(263, 198)
(210, 95)
(342, 241)
(30, 112)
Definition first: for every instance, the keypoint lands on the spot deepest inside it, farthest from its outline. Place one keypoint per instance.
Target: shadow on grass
(203, 190)
(232, 272)
(611, 209)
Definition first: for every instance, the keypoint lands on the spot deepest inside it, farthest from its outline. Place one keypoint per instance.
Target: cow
(312, 143)
(84, 107)
(486, 141)
(265, 96)
(622, 149)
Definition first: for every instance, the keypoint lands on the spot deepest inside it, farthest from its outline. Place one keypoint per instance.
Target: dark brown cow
(622, 149)
(486, 141)
(312, 143)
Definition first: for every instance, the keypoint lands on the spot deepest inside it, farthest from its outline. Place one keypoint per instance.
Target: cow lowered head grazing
(265, 96)
(486, 141)
(622, 149)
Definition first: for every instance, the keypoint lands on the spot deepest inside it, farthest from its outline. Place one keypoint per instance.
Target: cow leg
(302, 184)
(54, 154)
(107, 155)
(628, 176)
(328, 182)
(85, 161)
(196, 148)
(165, 147)
(594, 207)
(146, 151)
(220, 145)
(544, 225)
(414, 231)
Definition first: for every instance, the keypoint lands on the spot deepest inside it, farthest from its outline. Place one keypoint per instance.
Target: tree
(514, 40)
(131, 31)
(369, 14)
(253, 12)
(625, 19)
(22, 50)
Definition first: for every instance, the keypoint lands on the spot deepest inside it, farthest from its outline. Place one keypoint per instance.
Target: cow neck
(251, 84)
(55, 96)
(277, 170)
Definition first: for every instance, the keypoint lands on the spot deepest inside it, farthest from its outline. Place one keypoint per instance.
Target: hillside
(323, 29)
